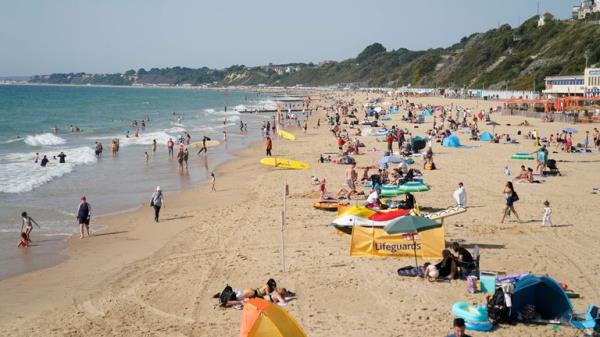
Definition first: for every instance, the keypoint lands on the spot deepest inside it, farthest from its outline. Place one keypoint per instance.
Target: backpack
(497, 310)
(227, 295)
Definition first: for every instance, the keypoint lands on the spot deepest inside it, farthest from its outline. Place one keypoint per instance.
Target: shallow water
(51, 194)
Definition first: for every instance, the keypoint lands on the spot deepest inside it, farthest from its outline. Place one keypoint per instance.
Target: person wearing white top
(460, 195)
(547, 217)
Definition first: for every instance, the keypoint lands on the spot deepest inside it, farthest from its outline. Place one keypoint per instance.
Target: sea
(37, 119)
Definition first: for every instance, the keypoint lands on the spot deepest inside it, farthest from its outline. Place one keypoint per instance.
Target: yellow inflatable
(286, 135)
(209, 143)
(284, 163)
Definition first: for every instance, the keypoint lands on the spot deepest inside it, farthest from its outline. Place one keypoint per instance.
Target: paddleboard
(209, 143)
(284, 163)
(286, 135)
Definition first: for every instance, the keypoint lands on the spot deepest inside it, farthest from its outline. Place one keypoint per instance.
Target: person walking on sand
(27, 223)
(511, 198)
(269, 146)
(460, 195)
(157, 201)
(547, 216)
(213, 180)
(351, 177)
(84, 213)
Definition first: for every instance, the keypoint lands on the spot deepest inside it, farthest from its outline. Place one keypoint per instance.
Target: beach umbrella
(411, 225)
(570, 130)
(389, 159)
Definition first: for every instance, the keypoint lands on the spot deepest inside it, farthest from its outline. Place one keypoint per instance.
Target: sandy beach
(141, 278)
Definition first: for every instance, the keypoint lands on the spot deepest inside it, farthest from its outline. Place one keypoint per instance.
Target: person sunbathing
(522, 175)
(269, 292)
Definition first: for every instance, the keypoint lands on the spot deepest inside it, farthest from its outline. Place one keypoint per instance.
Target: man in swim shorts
(351, 177)
(84, 213)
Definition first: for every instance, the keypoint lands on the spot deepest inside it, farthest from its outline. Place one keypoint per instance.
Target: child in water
(24, 242)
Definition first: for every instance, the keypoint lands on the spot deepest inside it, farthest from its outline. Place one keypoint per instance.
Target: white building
(592, 81)
(558, 86)
(587, 84)
(584, 8)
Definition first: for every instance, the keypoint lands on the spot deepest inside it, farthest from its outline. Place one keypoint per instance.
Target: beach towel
(412, 271)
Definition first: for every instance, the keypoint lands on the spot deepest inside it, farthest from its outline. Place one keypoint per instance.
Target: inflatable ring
(470, 313)
(522, 156)
(479, 326)
(414, 186)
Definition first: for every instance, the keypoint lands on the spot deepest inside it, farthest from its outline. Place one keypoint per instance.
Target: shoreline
(117, 225)
(142, 278)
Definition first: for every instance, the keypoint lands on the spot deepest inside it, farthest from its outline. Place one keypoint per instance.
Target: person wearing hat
(84, 213)
(157, 201)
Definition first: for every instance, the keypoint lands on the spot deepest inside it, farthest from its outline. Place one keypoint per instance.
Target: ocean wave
(229, 112)
(44, 139)
(146, 138)
(13, 140)
(20, 174)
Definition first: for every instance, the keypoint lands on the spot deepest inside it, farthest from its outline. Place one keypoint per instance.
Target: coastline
(115, 238)
(142, 278)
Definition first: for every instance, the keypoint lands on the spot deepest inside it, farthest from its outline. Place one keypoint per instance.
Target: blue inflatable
(479, 326)
(470, 313)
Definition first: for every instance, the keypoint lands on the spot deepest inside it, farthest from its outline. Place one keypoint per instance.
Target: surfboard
(286, 135)
(209, 143)
(284, 163)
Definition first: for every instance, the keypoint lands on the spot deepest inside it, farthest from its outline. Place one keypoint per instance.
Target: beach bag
(227, 295)
(515, 196)
(497, 310)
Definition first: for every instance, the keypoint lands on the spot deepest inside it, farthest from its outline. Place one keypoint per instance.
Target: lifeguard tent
(265, 319)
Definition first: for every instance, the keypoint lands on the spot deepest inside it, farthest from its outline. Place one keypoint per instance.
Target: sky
(101, 36)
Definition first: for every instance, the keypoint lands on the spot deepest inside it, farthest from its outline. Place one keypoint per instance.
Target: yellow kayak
(284, 163)
(209, 143)
(286, 135)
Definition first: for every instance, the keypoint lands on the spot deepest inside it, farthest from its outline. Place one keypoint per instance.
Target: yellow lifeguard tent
(265, 319)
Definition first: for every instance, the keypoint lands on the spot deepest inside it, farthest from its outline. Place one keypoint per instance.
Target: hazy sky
(45, 36)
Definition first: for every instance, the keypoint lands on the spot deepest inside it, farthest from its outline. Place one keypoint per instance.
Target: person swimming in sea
(62, 157)
(44, 161)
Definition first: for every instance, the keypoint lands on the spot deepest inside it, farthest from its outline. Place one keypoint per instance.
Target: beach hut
(451, 141)
(266, 319)
(486, 137)
(544, 295)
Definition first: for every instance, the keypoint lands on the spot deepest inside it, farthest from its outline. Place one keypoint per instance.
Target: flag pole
(282, 250)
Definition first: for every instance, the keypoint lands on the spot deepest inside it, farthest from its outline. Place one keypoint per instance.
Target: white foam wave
(146, 138)
(13, 140)
(20, 174)
(229, 112)
(45, 139)
(175, 129)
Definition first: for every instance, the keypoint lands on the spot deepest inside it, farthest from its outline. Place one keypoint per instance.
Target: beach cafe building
(559, 86)
(586, 85)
